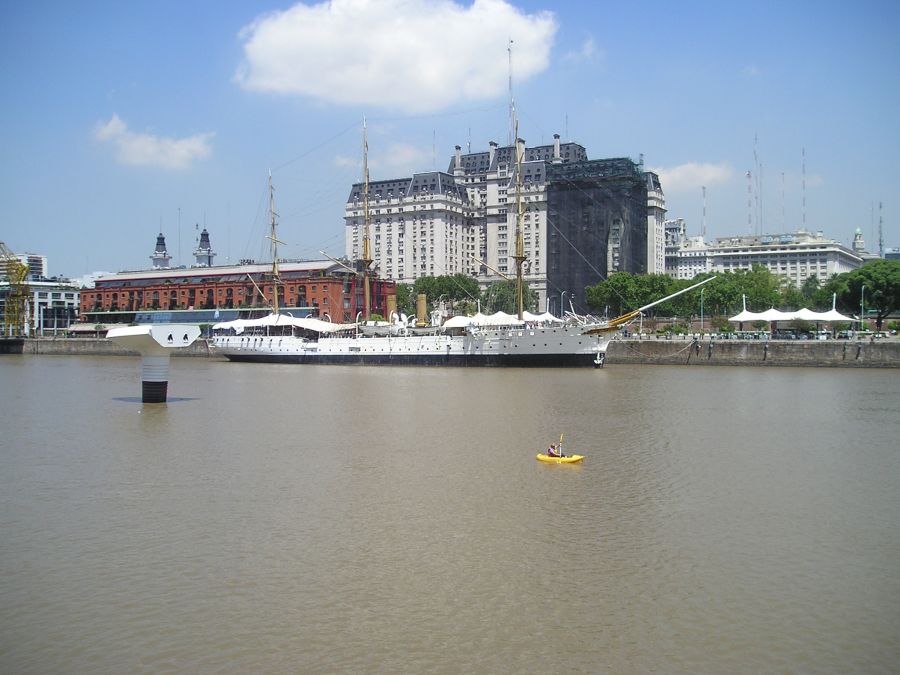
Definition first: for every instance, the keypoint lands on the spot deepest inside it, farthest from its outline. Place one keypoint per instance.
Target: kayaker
(554, 451)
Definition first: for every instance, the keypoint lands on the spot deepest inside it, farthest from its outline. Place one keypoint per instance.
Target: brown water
(378, 520)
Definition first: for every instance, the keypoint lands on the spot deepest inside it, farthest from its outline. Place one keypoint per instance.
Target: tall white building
(37, 264)
(462, 221)
(419, 226)
(685, 257)
(656, 219)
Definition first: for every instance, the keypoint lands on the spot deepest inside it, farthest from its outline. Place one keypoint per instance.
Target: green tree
(832, 291)
(810, 291)
(616, 295)
(687, 304)
(456, 288)
(406, 300)
(722, 297)
(881, 279)
(651, 287)
(623, 292)
(763, 289)
(500, 296)
(792, 297)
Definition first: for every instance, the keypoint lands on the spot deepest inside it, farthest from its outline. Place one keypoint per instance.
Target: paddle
(560, 446)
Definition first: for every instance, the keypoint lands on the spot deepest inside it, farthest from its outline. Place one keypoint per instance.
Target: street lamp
(701, 311)
(862, 307)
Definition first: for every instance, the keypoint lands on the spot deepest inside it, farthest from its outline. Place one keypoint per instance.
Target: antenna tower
(756, 170)
(759, 197)
(803, 168)
(703, 226)
(872, 222)
(880, 233)
(783, 223)
(513, 127)
(749, 203)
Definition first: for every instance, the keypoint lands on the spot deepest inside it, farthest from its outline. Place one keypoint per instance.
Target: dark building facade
(597, 224)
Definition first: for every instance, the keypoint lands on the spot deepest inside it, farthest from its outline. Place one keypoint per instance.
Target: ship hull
(494, 360)
(518, 348)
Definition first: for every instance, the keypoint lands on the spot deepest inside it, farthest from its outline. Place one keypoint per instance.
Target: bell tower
(204, 254)
(160, 256)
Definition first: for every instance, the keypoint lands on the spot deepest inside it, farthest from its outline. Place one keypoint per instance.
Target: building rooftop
(221, 270)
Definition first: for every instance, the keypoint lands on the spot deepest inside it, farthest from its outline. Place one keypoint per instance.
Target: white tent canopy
(770, 315)
(776, 315)
(499, 319)
(317, 325)
(804, 314)
(546, 317)
(746, 316)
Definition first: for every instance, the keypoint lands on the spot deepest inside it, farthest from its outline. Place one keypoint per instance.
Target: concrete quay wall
(98, 347)
(827, 353)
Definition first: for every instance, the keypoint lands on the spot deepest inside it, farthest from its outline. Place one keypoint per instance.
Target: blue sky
(121, 119)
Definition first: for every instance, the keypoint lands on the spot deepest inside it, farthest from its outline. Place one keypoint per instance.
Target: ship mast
(276, 276)
(366, 258)
(519, 257)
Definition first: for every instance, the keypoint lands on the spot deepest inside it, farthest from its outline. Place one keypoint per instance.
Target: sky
(120, 120)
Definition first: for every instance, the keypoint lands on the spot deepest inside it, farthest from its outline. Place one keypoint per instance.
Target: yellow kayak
(571, 459)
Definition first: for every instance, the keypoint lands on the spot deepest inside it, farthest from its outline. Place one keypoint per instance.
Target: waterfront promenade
(882, 353)
(680, 350)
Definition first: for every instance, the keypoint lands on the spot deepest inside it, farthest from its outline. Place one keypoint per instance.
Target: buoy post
(155, 344)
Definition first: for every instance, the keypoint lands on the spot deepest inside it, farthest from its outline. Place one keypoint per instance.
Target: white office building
(795, 256)
(37, 264)
(685, 257)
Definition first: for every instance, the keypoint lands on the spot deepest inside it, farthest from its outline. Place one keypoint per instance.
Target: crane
(14, 308)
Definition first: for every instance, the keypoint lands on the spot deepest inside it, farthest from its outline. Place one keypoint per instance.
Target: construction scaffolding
(15, 300)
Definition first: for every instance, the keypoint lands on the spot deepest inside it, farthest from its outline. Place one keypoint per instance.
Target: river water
(382, 520)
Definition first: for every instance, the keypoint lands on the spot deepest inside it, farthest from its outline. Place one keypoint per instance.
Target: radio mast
(512, 104)
(803, 167)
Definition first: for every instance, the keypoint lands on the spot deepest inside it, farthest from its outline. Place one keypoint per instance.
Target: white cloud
(751, 71)
(587, 53)
(397, 159)
(693, 176)
(341, 160)
(412, 55)
(147, 150)
(404, 158)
